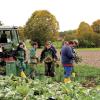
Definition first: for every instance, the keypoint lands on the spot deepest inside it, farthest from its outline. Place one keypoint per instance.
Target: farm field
(85, 84)
(90, 56)
(49, 50)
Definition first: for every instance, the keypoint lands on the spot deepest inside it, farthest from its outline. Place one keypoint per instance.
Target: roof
(8, 27)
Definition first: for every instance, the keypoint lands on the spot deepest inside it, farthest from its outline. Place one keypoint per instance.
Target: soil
(88, 57)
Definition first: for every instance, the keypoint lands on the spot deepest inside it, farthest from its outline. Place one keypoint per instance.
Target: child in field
(73, 44)
(21, 58)
(33, 58)
(48, 56)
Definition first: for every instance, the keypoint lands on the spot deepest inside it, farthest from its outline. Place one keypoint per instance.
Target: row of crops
(16, 88)
(85, 86)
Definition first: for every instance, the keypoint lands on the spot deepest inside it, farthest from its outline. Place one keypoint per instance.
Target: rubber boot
(23, 74)
(67, 80)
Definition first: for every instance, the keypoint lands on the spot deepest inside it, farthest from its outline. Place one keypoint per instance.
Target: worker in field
(77, 59)
(56, 63)
(74, 43)
(48, 56)
(21, 58)
(33, 59)
(53, 48)
(67, 61)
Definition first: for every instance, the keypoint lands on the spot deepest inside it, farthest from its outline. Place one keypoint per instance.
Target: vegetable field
(85, 86)
(15, 88)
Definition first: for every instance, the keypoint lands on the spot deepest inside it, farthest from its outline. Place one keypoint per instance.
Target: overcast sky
(69, 13)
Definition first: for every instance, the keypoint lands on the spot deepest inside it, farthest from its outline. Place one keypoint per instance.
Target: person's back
(67, 55)
(67, 62)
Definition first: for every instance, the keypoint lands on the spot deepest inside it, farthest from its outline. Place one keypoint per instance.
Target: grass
(88, 49)
(83, 72)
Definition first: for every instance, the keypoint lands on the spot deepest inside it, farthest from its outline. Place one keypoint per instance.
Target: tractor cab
(8, 43)
(8, 37)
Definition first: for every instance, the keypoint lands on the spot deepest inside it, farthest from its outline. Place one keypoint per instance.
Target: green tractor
(8, 42)
(9, 37)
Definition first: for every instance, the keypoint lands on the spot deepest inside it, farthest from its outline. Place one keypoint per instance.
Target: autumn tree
(21, 32)
(41, 26)
(85, 35)
(96, 26)
(84, 28)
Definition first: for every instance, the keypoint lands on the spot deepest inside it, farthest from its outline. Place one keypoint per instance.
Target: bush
(89, 41)
(69, 37)
(86, 43)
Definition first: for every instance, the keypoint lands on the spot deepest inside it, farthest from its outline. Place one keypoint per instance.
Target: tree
(84, 28)
(21, 33)
(85, 35)
(41, 26)
(96, 26)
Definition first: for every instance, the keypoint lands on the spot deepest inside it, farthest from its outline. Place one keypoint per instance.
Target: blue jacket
(67, 55)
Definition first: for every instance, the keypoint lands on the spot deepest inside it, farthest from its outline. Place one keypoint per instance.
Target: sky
(69, 13)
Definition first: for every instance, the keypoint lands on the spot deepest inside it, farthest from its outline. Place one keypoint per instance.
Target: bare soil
(88, 57)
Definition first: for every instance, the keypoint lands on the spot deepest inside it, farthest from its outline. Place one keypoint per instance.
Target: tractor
(8, 42)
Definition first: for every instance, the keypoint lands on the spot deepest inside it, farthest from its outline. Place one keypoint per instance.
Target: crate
(11, 68)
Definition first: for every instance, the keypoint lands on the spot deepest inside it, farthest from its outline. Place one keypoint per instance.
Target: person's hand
(26, 61)
(40, 61)
(57, 64)
(55, 60)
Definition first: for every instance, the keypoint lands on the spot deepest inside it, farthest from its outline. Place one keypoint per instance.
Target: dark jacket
(67, 55)
(45, 53)
(20, 54)
(55, 51)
